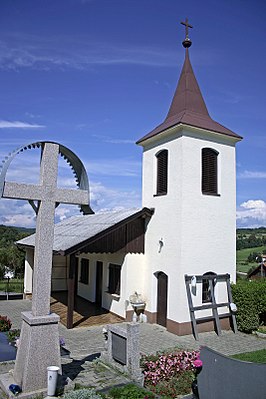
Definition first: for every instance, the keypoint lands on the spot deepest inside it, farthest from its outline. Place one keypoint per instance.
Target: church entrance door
(162, 293)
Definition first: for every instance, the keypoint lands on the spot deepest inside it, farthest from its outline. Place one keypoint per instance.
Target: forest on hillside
(250, 238)
(11, 256)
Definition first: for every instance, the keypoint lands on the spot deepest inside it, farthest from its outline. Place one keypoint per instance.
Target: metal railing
(11, 288)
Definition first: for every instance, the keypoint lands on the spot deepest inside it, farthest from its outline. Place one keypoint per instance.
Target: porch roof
(106, 232)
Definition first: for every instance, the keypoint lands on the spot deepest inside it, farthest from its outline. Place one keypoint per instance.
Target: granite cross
(48, 195)
(187, 26)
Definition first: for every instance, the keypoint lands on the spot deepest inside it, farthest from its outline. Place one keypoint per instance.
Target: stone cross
(39, 339)
(187, 26)
(48, 195)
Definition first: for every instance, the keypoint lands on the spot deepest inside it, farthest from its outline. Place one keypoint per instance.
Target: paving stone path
(85, 344)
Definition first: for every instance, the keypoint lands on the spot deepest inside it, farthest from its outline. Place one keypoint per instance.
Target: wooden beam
(71, 291)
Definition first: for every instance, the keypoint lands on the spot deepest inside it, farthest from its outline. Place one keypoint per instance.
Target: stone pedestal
(131, 365)
(38, 348)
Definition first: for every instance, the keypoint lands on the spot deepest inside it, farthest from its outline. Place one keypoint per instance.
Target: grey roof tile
(75, 230)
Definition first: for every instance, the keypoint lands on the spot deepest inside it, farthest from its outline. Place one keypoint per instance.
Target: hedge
(250, 299)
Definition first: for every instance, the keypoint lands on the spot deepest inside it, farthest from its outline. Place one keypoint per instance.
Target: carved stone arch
(71, 158)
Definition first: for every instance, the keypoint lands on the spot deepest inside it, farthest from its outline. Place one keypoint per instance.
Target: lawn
(242, 264)
(15, 285)
(255, 357)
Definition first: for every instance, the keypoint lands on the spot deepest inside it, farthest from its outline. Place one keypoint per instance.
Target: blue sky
(96, 75)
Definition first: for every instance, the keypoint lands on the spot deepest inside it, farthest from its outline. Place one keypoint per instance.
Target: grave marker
(123, 349)
(39, 341)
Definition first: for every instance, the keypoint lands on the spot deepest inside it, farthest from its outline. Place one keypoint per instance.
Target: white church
(186, 227)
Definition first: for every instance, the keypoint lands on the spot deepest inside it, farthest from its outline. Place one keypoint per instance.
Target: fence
(11, 288)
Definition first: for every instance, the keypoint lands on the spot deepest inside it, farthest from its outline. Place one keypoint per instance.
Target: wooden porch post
(71, 290)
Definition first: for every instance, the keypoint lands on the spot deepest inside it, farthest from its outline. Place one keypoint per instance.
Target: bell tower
(189, 180)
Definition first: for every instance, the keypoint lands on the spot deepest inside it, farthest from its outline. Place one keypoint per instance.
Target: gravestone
(123, 350)
(7, 351)
(39, 341)
(222, 377)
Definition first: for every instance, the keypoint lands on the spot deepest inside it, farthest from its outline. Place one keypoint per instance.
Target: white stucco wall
(29, 261)
(198, 231)
(131, 280)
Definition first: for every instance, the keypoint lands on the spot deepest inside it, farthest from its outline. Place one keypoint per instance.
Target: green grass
(15, 285)
(242, 264)
(255, 357)
(242, 254)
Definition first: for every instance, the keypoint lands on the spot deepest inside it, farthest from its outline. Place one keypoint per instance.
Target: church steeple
(187, 96)
(188, 106)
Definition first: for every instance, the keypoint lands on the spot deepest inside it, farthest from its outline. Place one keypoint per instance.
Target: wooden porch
(85, 313)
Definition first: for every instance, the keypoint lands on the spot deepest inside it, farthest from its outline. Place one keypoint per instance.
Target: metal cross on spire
(187, 42)
(187, 25)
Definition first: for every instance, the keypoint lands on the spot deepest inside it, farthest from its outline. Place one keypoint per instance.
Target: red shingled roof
(188, 107)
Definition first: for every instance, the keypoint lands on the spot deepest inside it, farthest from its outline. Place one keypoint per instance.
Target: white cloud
(116, 167)
(16, 213)
(251, 213)
(62, 213)
(18, 125)
(102, 198)
(64, 52)
(254, 204)
(247, 174)
(119, 141)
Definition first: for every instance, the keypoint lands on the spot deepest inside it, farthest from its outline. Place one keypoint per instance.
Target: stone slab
(7, 351)
(32, 320)
(38, 349)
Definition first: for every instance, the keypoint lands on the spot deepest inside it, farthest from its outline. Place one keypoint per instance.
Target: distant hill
(246, 230)
(250, 238)
(9, 234)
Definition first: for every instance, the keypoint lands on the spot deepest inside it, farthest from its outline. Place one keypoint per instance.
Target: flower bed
(5, 323)
(170, 374)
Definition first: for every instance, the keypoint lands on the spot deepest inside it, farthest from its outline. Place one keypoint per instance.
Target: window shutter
(114, 279)
(162, 172)
(209, 171)
(84, 272)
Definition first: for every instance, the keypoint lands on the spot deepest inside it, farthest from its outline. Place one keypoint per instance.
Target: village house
(188, 205)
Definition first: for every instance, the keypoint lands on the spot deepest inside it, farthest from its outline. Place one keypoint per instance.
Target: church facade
(186, 225)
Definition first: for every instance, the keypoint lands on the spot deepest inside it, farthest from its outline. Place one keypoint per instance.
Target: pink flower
(197, 363)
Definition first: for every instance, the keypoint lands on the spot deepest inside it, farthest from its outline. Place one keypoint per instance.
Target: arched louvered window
(162, 172)
(209, 171)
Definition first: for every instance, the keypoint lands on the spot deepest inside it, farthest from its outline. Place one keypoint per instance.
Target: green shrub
(12, 335)
(130, 391)
(250, 299)
(178, 385)
(5, 323)
(85, 393)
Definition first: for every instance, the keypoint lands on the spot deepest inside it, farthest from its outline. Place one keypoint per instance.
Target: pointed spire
(188, 106)
(187, 96)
